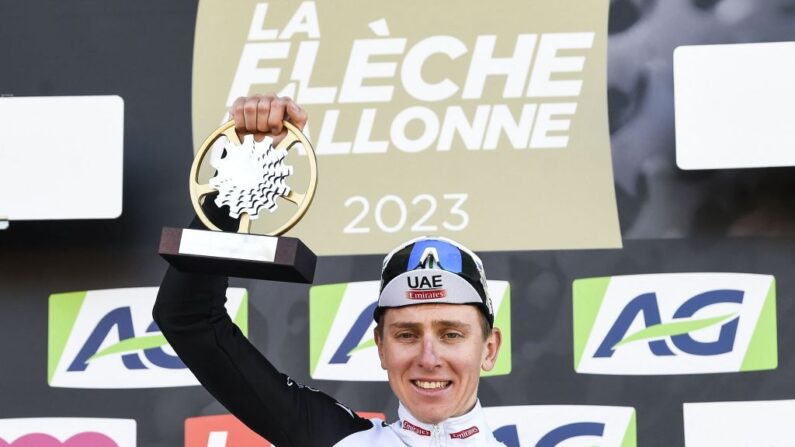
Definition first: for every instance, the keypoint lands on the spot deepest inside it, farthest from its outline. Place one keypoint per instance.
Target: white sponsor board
(107, 339)
(563, 425)
(734, 105)
(682, 323)
(74, 170)
(740, 424)
(359, 360)
(68, 432)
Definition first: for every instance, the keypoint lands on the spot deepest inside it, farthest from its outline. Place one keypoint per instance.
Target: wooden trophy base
(239, 255)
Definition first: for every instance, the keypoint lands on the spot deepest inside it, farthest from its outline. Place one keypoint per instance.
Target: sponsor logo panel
(220, 431)
(371, 415)
(227, 431)
(740, 424)
(678, 323)
(67, 432)
(107, 339)
(563, 425)
(341, 343)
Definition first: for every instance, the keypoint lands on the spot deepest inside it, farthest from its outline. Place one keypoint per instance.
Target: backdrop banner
(489, 125)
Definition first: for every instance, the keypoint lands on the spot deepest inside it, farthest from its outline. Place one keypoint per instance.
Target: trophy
(248, 179)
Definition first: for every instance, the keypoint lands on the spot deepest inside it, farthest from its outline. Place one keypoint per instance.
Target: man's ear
(492, 348)
(379, 342)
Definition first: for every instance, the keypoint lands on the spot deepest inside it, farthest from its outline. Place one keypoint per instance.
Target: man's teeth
(431, 385)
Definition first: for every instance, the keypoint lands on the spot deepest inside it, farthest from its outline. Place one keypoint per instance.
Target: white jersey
(468, 430)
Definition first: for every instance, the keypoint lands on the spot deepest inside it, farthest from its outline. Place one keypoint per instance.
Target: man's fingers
(276, 116)
(295, 114)
(237, 114)
(275, 120)
(250, 114)
(263, 115)
(261, 127)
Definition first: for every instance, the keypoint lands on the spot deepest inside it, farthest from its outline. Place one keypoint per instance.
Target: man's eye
(405, 335)
(452, 335)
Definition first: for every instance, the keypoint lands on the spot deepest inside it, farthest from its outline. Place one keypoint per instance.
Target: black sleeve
(190, 312)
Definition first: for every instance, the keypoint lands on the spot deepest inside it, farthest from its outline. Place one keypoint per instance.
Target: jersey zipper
(437, 436)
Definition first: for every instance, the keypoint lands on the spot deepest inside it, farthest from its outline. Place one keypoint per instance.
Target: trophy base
(240, 255)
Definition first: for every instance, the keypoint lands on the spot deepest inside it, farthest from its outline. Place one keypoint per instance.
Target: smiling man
(434, 335)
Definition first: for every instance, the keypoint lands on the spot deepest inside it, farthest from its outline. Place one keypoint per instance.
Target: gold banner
(482, 121)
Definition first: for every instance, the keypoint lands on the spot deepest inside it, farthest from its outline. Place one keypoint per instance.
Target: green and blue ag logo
(679, 323)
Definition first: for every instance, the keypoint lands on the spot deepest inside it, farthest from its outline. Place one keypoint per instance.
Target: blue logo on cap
(445, 253)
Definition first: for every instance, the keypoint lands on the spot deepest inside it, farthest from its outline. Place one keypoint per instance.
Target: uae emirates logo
(425, 287)
(463, 434)
(418, 430)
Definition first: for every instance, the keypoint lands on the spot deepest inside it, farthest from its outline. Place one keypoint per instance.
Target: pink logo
(88, 439)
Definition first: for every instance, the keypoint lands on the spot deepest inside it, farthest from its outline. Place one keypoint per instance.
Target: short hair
(485, 327)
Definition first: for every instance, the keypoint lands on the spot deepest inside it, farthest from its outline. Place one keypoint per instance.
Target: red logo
(371, 415)
(463, 434)
(426, 294)
(227, 431)
(411, 427)
(220, 431)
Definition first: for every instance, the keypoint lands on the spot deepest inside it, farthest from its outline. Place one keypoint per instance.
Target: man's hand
(262, 115)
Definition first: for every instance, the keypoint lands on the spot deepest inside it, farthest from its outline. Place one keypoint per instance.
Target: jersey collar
(467, 429)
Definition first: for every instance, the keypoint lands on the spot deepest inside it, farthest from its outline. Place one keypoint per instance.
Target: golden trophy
(248, 178)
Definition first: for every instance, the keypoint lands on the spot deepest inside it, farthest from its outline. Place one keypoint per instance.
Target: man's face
(433, 354)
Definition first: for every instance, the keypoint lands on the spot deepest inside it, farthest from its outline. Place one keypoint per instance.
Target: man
(434, 334)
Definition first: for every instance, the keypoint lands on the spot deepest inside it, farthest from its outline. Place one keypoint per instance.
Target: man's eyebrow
(435, 323)
(451, 323)
(404, 325)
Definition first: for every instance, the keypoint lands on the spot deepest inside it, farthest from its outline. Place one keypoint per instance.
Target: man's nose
(429, 356)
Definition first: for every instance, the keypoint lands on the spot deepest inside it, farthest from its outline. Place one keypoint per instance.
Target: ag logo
(681, 323)
(341, 344)
(67, 432)
(107, 339)
(563, 425)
